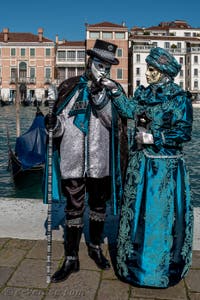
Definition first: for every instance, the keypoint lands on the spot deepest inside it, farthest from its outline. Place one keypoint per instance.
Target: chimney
(5, 34)
(40, 34)
(57, 39)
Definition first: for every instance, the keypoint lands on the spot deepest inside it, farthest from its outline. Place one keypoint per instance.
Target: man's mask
(100, 69)
(153, 75)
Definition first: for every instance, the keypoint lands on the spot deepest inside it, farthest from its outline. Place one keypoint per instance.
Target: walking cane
(51, 100)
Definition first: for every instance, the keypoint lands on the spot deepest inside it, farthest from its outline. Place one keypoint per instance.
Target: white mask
(100, 69)
(153, 75)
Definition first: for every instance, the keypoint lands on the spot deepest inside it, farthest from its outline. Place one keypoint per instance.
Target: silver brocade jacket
(82, 154)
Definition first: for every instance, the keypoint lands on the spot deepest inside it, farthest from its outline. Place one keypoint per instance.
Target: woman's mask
(153, 75)
(99, 68)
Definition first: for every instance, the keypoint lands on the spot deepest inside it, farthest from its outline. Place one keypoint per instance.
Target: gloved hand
(96, 87)
(109, 84)
(50, 121)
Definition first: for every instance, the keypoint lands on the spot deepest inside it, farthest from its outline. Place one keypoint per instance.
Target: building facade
(180, 39)
(26, 60)
(33, 61)
(70, 59)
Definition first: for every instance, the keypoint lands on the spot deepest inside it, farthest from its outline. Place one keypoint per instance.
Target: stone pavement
(23, 276)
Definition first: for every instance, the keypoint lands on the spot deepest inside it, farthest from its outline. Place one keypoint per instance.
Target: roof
(25, 37)
(72, 43)
(106, 24)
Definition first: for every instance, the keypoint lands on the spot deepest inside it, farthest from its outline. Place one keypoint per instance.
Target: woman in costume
(154, 247)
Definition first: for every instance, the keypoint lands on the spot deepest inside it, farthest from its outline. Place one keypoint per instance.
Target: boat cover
(30, 147)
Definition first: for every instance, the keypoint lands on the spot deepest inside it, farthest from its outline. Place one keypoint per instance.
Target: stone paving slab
(113, 290)
(193, 281)
(23, 276)
(177, 292)
(82, 285)
(5, 273)
(10, 257)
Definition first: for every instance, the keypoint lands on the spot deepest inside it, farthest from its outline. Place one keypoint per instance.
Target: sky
(67, 18)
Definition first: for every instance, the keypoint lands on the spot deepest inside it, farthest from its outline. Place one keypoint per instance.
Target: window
(71, 55)
(12, 51)
(119, 52)
(47, 51)
(94, 34)
(137, 82)
(71, 72)
(179, 45)
(81, 55)
(195, 72)
(61, 55)
(181, 60)
(137, 71)
(181, 73)
(48, 73)
(32, 73)
(23, 51)
(167, 45)
(107, 35)
(137, 58)
(187, 34)
(196, 59)
(13, 73)
(195, 84)
(155, 44)
(32, 51)
(120, 35)
(61, 74)
(119, 73)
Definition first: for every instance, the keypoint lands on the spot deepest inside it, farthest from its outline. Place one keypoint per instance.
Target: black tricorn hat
(104, 51)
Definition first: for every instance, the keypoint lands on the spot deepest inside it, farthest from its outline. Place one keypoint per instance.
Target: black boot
(71, 263)
(95, 252)
(94, 249)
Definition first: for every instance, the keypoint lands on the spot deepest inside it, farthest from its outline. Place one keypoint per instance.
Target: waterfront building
(28, 60)
(70, 59)
(179, 38)
(37, 61)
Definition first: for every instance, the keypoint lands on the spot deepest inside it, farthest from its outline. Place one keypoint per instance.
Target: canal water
(34, 189)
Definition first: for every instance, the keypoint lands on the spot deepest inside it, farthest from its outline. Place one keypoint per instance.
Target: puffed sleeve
(176, 125)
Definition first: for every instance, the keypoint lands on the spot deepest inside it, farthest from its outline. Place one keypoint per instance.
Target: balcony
(70, 60)
(32, 80)
(47, 80)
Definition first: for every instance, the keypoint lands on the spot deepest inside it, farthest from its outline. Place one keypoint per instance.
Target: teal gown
(154, 245)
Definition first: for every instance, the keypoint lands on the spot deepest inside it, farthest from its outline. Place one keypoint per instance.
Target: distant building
(35, 61)
(180, 39)
(70, 59)
(28, 60)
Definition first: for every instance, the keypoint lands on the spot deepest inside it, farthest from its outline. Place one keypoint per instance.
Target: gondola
(29, 155)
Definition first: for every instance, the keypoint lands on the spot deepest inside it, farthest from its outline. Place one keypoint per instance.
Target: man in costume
(154, 246)
(83, 124)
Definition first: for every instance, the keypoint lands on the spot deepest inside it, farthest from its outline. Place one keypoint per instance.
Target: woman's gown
(154, 246)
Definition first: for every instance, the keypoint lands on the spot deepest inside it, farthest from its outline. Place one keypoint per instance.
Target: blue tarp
(31, 146)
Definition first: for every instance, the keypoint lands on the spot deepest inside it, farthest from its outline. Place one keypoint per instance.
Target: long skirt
(154, 245)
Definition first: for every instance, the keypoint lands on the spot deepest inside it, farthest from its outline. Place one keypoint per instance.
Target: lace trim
(161, 156)
(78, 222)
(97, 216)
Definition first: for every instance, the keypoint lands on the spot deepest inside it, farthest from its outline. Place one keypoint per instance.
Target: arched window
(22, 71)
